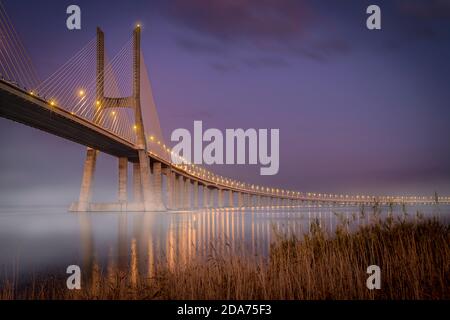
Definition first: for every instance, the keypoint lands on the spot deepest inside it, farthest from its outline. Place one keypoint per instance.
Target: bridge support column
(137, 186)
(175, 188)
(157, 186)
(123, 179)
(240, 200)
(144, 170)
(152, 201)
(195, 194)
(187, 194)
(230, 198)
(179, 191)
(205, 197)
(220, 198)
(211, 198)
(169, 188)
(87, 180)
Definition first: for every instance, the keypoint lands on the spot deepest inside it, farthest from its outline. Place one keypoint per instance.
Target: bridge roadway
(19, 105)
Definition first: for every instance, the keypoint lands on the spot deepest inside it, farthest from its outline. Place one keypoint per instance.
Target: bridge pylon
(147, 195)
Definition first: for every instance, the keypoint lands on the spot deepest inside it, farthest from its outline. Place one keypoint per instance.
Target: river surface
(36, 240)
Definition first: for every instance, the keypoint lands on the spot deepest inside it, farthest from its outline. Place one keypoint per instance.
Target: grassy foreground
(414, 258)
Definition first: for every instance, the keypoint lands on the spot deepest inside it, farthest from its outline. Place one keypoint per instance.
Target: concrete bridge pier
(137, 190)
(144, 169)
(123, 180)
(240, 200)
(187, 194)
(230, 198)
(87, 181)
(179, 192)
(211, 198)
(169, 188)
(195, 195)
(205, 197)
(157, 187)
(220, 198)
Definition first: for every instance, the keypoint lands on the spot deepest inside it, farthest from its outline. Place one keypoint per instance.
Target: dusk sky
(359, 111)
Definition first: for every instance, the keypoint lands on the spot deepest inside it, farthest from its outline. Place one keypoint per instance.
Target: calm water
(39, 240)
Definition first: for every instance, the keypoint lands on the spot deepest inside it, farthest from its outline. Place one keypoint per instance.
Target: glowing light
(113, 113)
(81, 93)
(152, 138)
(97, 103)
(134, 127)
(52, 103)
(31, 93)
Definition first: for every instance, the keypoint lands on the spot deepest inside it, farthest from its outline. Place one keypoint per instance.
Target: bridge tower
(146, 195)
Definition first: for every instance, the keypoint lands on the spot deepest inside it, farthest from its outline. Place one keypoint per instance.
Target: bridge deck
(19, 106)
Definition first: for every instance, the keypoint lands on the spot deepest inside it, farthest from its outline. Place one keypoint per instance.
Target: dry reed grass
(414, 258)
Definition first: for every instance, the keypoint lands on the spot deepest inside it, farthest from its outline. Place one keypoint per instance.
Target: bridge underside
(31, 111)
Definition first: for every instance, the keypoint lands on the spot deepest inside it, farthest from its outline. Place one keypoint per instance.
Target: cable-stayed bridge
(107, 105)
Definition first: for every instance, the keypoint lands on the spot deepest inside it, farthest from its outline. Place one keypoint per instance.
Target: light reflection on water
(35, 240)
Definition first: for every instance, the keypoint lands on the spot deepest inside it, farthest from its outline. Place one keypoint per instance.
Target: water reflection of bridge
(146, 241)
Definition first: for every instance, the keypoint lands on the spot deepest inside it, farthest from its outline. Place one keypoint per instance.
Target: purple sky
(359, 111)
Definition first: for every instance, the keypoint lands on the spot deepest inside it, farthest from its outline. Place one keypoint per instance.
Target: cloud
(237, 20)
(270, 62)
(251, 33)
(224, 66)
(194, 45)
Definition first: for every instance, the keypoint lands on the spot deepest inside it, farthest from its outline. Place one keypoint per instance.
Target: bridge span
(20, 106)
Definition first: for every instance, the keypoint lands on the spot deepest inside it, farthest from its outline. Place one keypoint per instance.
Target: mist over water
(40, 240)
